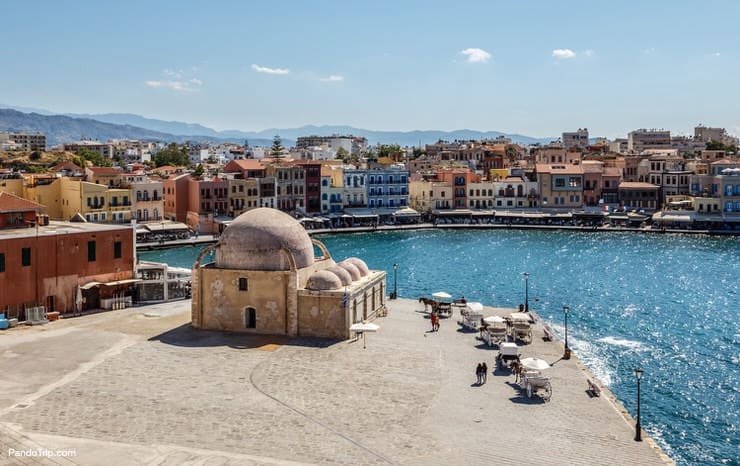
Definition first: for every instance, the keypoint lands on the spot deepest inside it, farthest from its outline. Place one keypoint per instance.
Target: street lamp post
(638, 428)
(566, 355)
(395, 281)
(526, 291)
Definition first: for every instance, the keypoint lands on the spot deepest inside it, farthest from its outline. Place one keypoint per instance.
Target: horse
(428, 302)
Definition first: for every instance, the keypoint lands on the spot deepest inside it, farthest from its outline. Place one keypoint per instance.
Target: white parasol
(535, 364)
(493, 320)
(442, 295)
(363, 328)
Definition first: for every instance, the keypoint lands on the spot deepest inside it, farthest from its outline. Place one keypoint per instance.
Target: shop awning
(407, 212)
(127, 281)
(166, 226)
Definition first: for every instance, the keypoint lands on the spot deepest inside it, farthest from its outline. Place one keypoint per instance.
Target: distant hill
(61, 128)
(70, 127)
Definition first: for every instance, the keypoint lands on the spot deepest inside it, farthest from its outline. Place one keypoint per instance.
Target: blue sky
(536, 67)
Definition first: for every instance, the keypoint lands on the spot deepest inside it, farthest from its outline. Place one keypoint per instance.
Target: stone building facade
(267, 279)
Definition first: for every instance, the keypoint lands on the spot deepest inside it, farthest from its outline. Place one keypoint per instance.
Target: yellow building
(266, 279)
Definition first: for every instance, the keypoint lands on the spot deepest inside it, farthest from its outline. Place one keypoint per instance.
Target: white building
(576, 138)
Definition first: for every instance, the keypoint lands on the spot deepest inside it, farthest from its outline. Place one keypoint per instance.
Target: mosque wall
(226, 307)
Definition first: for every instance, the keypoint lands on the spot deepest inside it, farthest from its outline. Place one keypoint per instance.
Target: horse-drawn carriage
(521, 329)
(508, 356)
(532, 380)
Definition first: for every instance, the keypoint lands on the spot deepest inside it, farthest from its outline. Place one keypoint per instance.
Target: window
(117, 251)
(2, 262)
(91, 251)
(25, 257)
(243, 284)
(559, 182)
(574, 181)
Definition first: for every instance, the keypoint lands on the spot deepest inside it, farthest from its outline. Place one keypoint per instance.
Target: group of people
(482, 373)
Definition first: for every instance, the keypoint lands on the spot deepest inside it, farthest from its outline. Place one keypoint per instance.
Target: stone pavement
(140, 386)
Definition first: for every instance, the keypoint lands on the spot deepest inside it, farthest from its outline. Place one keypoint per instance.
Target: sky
(531, 67)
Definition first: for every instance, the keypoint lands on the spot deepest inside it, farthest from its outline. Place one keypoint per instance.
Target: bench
(549, 336)
(593, 388)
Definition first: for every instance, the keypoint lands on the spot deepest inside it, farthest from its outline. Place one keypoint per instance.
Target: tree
(199, 171)
(342, 154)
(512, 154)
(172, 155)
(277, 148)
(389, 150)
(85, 155)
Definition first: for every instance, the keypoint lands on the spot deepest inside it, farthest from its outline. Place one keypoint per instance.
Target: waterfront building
(515, 192)
(331, 189)
(427, 195)
(245, 168)
(243, 195)
(207, 199)
(481, 195)
(24, 141)
(576, 138)
(459, 179)
(148, 199)
(311, 185)
(354, 190)
(53, 260)
(176, 197)
(642, 139)
(637, 195)
(723, 183)
(560, 185)
(669, 172)
(266, 279)
(388, 187)
(290, 185)
(267, 197)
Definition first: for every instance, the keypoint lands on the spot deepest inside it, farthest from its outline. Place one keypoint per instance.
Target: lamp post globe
(638, 427)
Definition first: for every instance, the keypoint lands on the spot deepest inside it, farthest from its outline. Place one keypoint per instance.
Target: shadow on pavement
(187, 336)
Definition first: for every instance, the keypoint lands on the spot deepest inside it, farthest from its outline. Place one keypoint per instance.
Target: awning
(672, 218)
(407, 212)
(166, 226)
(127, 281)
(452, 213)
(87, 286)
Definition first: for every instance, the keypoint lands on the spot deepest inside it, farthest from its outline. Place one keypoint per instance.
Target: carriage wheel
(529, 390)
(548, 391)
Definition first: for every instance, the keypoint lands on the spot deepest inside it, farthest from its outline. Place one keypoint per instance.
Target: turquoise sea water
(667, 303)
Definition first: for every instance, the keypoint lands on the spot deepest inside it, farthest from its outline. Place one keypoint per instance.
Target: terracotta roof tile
(12, 203)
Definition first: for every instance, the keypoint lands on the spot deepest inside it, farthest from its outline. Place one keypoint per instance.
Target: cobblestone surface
(173, 395)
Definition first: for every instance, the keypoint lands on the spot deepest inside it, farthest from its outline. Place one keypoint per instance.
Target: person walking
(433, 319)
(479, 374)
(436, 323)
(484, 372)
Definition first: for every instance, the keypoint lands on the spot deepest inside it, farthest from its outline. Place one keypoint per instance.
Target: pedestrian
(433, 318)
(484, 371)
(479, 374)
(436, 323)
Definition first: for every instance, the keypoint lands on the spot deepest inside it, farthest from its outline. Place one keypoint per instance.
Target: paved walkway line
(314, 420)
(84, 367)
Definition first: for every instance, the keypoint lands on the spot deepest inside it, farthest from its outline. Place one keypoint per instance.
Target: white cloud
(476, 55)
(588, 52)
(648, 51)
(180, 86)
(333, 78)
(715, 54)
(264, 69)
(172, 74)
(563, 53)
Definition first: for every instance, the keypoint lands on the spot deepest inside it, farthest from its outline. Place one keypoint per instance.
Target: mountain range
(70, 127)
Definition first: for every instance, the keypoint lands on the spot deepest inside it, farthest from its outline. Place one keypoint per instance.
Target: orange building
(459, 178)
(46, 264)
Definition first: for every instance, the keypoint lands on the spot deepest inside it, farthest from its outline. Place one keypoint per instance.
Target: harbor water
(666, 303)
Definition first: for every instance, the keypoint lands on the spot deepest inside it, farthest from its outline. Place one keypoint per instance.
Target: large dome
(254, 239)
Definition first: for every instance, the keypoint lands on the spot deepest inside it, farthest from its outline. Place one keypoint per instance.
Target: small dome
(354, 272)
(323, 280)
(254, 239)
(341, 273)
(360, 264)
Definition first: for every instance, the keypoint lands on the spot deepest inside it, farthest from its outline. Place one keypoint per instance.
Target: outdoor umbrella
(493, 320)
(442, 295)
(536, 364)
(363, 328)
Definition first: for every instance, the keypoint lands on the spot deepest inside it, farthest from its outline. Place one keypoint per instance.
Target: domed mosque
(266, 279)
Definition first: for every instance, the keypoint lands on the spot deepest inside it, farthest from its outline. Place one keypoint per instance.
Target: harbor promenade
(139, 386)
